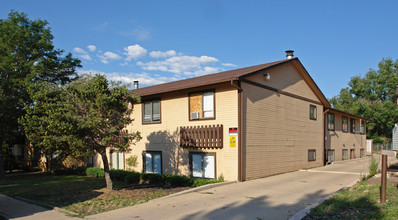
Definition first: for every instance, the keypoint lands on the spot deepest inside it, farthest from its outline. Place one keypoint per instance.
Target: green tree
(84, 117)
(27, 55)
(373, 96)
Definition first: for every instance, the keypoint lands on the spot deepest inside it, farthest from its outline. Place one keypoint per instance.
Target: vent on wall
(195, 115)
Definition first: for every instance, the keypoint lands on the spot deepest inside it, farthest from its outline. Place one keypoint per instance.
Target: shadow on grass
(333, 208)
(51, 190)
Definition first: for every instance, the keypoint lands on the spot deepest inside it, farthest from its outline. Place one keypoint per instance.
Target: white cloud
(229, 65)
(188, 65)
(85, 57)
(109, 56)
(161, 54)
(79, 50)
(145, 79)
(134, 52)
(91, 48)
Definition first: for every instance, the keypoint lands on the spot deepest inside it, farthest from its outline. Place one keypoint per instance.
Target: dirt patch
(392, 176)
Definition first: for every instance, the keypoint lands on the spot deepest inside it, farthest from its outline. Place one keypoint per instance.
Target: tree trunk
(2, 139)
(108, 179)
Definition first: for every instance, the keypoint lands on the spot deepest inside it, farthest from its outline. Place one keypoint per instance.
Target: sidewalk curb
(301, 214)
(197, 189)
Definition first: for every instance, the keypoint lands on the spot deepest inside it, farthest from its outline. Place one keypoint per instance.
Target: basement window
(311, 155)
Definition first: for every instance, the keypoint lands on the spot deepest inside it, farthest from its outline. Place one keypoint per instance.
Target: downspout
(236, 84)
(324, 135)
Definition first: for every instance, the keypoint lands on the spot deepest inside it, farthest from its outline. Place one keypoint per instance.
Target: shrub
(132, 161)
(373, 167)
(152, 178)
(132, 178)
(176, 180)
(201, 182)
(118, 174)
(95, 172)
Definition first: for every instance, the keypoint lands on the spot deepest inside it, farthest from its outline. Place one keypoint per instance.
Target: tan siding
(338, 140)
(288, 79)
(278, 131)
(174, 113)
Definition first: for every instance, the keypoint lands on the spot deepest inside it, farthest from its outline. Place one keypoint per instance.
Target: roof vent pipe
(135, 84)
(289, 54)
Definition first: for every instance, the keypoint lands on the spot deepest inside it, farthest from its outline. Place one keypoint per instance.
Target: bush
(152, 178)
(95, 172)
(132, 178)
(373, 167)
(119, 175)
(201, 182)
(176, 180)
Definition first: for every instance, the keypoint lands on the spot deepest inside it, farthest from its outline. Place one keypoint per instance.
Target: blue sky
(161, 41)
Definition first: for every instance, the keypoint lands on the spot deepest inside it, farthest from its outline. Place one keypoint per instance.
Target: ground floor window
(352, 154)
(345, 154)
(311, 155)
(330, 156)
(362, 153)
(117, 160)
(152, 162)
(203, 165)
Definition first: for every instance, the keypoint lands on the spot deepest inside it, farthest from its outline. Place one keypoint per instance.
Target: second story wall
(164, 135)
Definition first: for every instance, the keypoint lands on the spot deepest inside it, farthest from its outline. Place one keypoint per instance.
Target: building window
(352, 154)
(152, 162)
(311, 155)
(362, 127)
(345, 154)
(151, 111)
(330, 156)
(313, 112)
(331, 121)
(345, 124)
(362, 153)
(352, 125)
(201, 105)
(117, 160)
(203, 165)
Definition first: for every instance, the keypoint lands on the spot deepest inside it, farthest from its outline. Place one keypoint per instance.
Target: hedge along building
(240, 124)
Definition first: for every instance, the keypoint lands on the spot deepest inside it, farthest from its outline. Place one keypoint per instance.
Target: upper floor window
(352, 125)
(330, 121)
(313, 112)
(345, 124)
(201, 105)
(151, 111)
(362, 127)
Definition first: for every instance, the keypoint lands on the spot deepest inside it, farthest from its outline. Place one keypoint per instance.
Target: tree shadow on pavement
(262, 207)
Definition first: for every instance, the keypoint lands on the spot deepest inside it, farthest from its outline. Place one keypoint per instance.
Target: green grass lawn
(83, 195)
(358, 202)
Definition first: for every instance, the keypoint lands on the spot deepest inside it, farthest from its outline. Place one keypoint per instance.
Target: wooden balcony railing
(201, 136)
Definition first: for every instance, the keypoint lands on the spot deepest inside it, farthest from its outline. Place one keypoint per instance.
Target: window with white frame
(151, 111)
(362, 127)
(203, 165)
(117, 160)
(152, 162)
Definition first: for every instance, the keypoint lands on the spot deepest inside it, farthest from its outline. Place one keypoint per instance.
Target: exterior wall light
(267, 76)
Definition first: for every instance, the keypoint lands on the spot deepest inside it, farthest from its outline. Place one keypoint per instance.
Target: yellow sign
(232, 141)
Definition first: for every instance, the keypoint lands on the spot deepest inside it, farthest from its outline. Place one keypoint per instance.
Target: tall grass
(373, 166)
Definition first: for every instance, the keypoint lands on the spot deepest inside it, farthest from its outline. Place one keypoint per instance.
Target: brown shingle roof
(220, 77)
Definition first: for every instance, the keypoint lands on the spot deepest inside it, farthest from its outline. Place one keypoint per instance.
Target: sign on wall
(233, 132)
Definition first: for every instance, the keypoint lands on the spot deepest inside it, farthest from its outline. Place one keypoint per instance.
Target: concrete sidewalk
(276, 197)
(11, 208)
